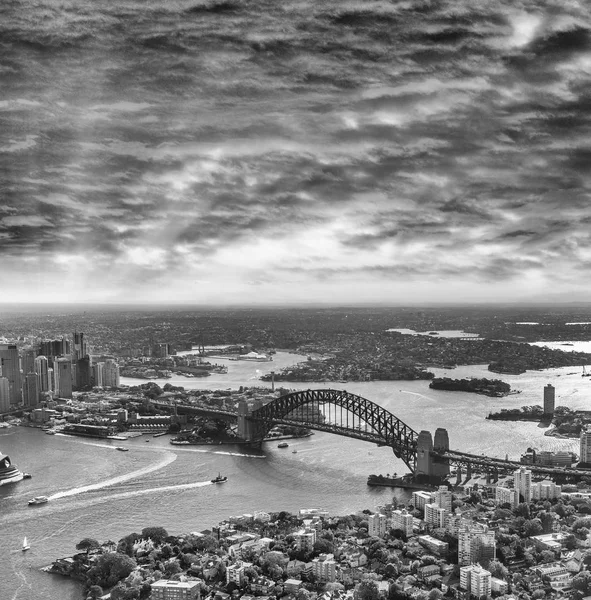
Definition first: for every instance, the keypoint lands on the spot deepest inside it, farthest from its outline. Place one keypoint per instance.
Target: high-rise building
(4, 395)
(324, 567)
(546, 490)
(435, 515)
(28, 361)
(51, 380)
(42, 371)
(10, 365)
(402, 520)
(98, 374)
(443, 498)
(522, 483)
(111, 374)
(476, 580)
(30, 390)
(585, 446)
(377, 525)
(476, 544)
(62, 369)
(549, 399)
(83, 373)
(504, 495)
(54, 348)
(79, 349)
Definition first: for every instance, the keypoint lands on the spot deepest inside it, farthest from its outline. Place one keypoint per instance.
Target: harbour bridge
(349, 415)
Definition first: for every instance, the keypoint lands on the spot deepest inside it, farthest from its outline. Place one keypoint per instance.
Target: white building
(419, 499)
(305, 539)
(443, 498)
(402, 520)
(235, 573)
(505, 495)
(585, 446)
(377, 525)
(435, 516)
(325, 567)
(165, 589)
(476, 580)
(545, 490)
(522, 483)
(476, 544)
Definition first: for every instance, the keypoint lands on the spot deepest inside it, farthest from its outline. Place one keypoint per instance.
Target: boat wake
(201, 451)
(169, 458)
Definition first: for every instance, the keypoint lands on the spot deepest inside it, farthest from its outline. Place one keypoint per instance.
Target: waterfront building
(10, 365)
(549, 399)
(41, 368)
(419, 499)
(166, 589)
(476, 544)
(435, 516)
(110, 373)
(377, 525)
(522, 483)
(4, 395)
(504, 495)
(475, 580)
(402, 520)
(585, 446)
(30, 390)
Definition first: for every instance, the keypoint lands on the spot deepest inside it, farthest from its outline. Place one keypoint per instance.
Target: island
(488, 387)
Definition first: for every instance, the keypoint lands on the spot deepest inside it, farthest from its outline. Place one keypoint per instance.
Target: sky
(261, 152)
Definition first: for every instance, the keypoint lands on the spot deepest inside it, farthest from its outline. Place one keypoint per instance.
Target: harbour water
(98, 492)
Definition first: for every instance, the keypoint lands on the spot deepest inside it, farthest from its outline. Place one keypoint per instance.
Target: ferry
(38, 500)
(8, 472)
(219, 479)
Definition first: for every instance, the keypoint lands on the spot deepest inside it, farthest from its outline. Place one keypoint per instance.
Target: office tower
(4, 395)
(41, 368)
(111, 374)
(476, 580)
(10, 364)
(54, 348)
(79, 350)
(28, 361)
(476, 544)
(50, 380)
(98, 374)
(522, 483)
(443, 498)
(377, 525)
(30, 390)
(549, 399)
(62, 368)
(585, 446)
(83, 376)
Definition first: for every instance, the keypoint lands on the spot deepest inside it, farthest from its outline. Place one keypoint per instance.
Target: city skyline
(361, 153)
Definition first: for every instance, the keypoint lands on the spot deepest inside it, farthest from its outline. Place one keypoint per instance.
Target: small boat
(294, 451)
(25, 545)
(219, 479)
(27, 476)
(38, 500)
(283, 445)
(121, 449)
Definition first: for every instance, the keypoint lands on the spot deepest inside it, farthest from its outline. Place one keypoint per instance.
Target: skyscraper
(522, 483)
(80, 349)
(111, 374)
(10, 365)
(54, 348)
(63, 377)
(549, 399)
(30, 390)
(28, 361)
(585, 446)
(4, 395)
(42, 368)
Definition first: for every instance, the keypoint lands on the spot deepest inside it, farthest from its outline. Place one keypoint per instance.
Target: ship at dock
(9, 472)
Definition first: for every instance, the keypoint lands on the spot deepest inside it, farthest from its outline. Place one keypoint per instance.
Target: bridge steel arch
(384, 428)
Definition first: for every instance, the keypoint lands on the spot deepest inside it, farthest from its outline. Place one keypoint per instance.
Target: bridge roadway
(184, 409)
(500, 464)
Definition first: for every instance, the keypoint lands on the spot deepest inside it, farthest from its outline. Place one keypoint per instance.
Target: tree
(95, 591)
(367, 590)
(125, 545)
(435, 594)
(88, 544)
(498, 569)
(533, 527)
(110, 568)
(156, 534)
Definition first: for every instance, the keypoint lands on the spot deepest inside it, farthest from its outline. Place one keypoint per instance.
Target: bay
(98, 492)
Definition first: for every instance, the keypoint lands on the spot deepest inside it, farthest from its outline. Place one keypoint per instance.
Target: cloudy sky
(264, 151)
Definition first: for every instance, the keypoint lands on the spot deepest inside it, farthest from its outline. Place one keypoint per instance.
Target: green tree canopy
(156, 534)
(110, 568)
(88, 544)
